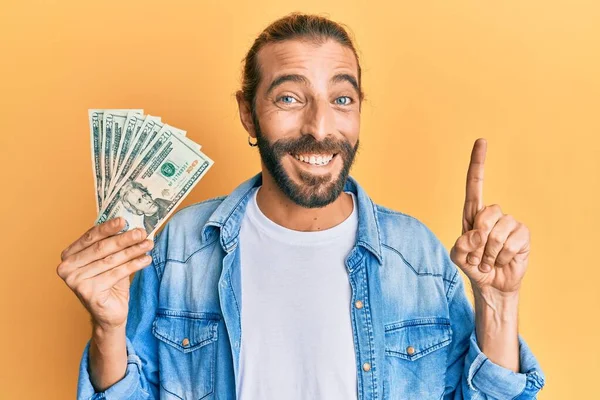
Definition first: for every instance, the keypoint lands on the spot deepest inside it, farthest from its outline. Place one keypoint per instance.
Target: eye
(287, 99)
(346, 100)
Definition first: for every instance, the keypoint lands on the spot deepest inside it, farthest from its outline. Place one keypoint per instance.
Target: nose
(319, 119)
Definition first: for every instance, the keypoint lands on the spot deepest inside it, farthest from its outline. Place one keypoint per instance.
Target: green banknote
(143, 168)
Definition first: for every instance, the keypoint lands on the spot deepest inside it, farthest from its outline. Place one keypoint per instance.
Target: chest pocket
(416, 356)
(187, 353)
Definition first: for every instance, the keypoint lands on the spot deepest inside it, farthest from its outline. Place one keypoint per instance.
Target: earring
(252, 144)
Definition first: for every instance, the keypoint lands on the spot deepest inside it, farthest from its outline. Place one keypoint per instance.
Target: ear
(245, 114)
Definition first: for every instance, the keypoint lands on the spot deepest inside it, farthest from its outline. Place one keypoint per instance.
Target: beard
(314, 191)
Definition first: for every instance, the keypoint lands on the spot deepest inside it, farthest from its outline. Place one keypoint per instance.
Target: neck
(280, 209)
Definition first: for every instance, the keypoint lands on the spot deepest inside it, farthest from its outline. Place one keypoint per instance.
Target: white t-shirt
(296, 338)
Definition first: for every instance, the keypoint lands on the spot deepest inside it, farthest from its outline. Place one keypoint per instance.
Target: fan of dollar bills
(143, 168)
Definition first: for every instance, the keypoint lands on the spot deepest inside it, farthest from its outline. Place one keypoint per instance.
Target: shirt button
(410, 350)
(358, 304)
(366, 367)
(185, 342)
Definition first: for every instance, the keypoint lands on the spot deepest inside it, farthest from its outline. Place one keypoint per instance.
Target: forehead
(306, 57)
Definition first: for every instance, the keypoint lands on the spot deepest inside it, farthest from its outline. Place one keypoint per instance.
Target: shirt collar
(228, 216)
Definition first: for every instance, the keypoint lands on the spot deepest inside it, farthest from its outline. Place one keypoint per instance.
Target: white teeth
(314, 159)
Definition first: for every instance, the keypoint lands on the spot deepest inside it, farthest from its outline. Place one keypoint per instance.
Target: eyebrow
(303, 80)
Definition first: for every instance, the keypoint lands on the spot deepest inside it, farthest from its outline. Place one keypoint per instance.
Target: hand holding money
(96, 267)
(143, 168)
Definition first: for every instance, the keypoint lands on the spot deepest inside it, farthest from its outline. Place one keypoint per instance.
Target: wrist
(108, 340)
(496, 323)
(107, 331)
(491, 302)
(107, 357)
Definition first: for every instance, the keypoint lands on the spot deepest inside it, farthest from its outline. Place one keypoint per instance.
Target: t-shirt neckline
(283, 234)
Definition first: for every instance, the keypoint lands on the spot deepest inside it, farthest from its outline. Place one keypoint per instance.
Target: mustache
(308, 144)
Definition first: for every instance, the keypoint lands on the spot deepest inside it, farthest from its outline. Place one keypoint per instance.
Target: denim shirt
(412, 324)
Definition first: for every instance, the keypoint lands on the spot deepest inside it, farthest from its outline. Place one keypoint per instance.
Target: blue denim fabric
(413, 297)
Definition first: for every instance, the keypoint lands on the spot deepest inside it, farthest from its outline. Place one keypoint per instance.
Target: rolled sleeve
(499, 382)
(127, 388)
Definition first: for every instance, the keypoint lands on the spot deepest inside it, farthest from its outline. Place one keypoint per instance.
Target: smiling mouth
(314, 159)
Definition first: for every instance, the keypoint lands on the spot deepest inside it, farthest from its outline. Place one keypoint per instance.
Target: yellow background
(437, 74)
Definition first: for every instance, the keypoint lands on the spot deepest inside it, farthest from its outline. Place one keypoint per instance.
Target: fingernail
(137, 234)
(486, 268)
(116, 222)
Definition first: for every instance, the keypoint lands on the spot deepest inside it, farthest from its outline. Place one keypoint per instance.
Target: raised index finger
(474, 193)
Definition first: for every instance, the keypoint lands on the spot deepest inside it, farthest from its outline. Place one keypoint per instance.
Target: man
(296, 285)
(137, 200)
